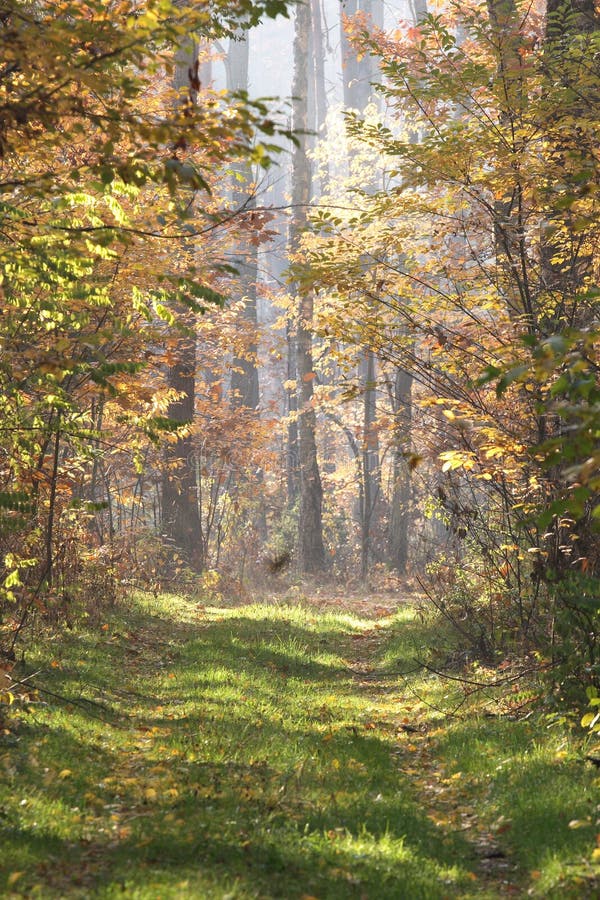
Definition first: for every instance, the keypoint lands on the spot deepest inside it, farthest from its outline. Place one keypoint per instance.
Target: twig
(451, 715)
(14, 683)
(75, 701)
(542, 667)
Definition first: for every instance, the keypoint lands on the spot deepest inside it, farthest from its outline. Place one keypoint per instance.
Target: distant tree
(311, 549)
(244, 370)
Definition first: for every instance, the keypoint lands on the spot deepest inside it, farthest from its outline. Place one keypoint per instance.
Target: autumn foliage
(473, 270)
(418, 379)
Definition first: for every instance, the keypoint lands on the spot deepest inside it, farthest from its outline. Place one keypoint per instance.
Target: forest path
(439, 787)
(270, 750)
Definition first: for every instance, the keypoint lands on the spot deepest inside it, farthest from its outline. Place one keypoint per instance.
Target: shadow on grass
(535, 790)
(246, 773)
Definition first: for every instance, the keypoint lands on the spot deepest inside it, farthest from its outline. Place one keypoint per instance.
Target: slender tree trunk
(370, 457)
(509, 227)
(401, 500)
(319, 75)
(181, 527)
(244, 374)
(400, 512)
(292, 460)
(359, 75)
(49, 536)
(311, 550)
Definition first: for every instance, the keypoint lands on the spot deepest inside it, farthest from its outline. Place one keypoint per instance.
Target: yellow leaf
(150, 794)
(596, 855)
(66, 773)
(13, 877)
(580, 823)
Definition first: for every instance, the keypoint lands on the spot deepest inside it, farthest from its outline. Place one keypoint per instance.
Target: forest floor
(290, 749)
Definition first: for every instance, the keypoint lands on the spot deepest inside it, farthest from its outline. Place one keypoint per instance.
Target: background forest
(303, 291)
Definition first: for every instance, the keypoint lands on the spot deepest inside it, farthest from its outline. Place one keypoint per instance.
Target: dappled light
(299, 449)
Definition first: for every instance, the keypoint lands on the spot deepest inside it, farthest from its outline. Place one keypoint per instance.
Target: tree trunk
(180, 523)
(400, 513)
(311, 550)
(400, 507)
(370, 457)
(359, 75)
(292, 461)
(244, 374)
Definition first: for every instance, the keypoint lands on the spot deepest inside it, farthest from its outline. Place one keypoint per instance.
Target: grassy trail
(278, 751)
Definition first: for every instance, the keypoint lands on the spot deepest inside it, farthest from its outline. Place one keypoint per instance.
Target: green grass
(259, 752)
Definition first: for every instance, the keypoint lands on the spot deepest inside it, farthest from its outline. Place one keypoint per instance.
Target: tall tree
(401, 500)
(311, 549)
(360, 71)
(244, 370)
(180, 522)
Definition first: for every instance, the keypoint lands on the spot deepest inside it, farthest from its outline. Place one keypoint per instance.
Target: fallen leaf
(580, 823)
